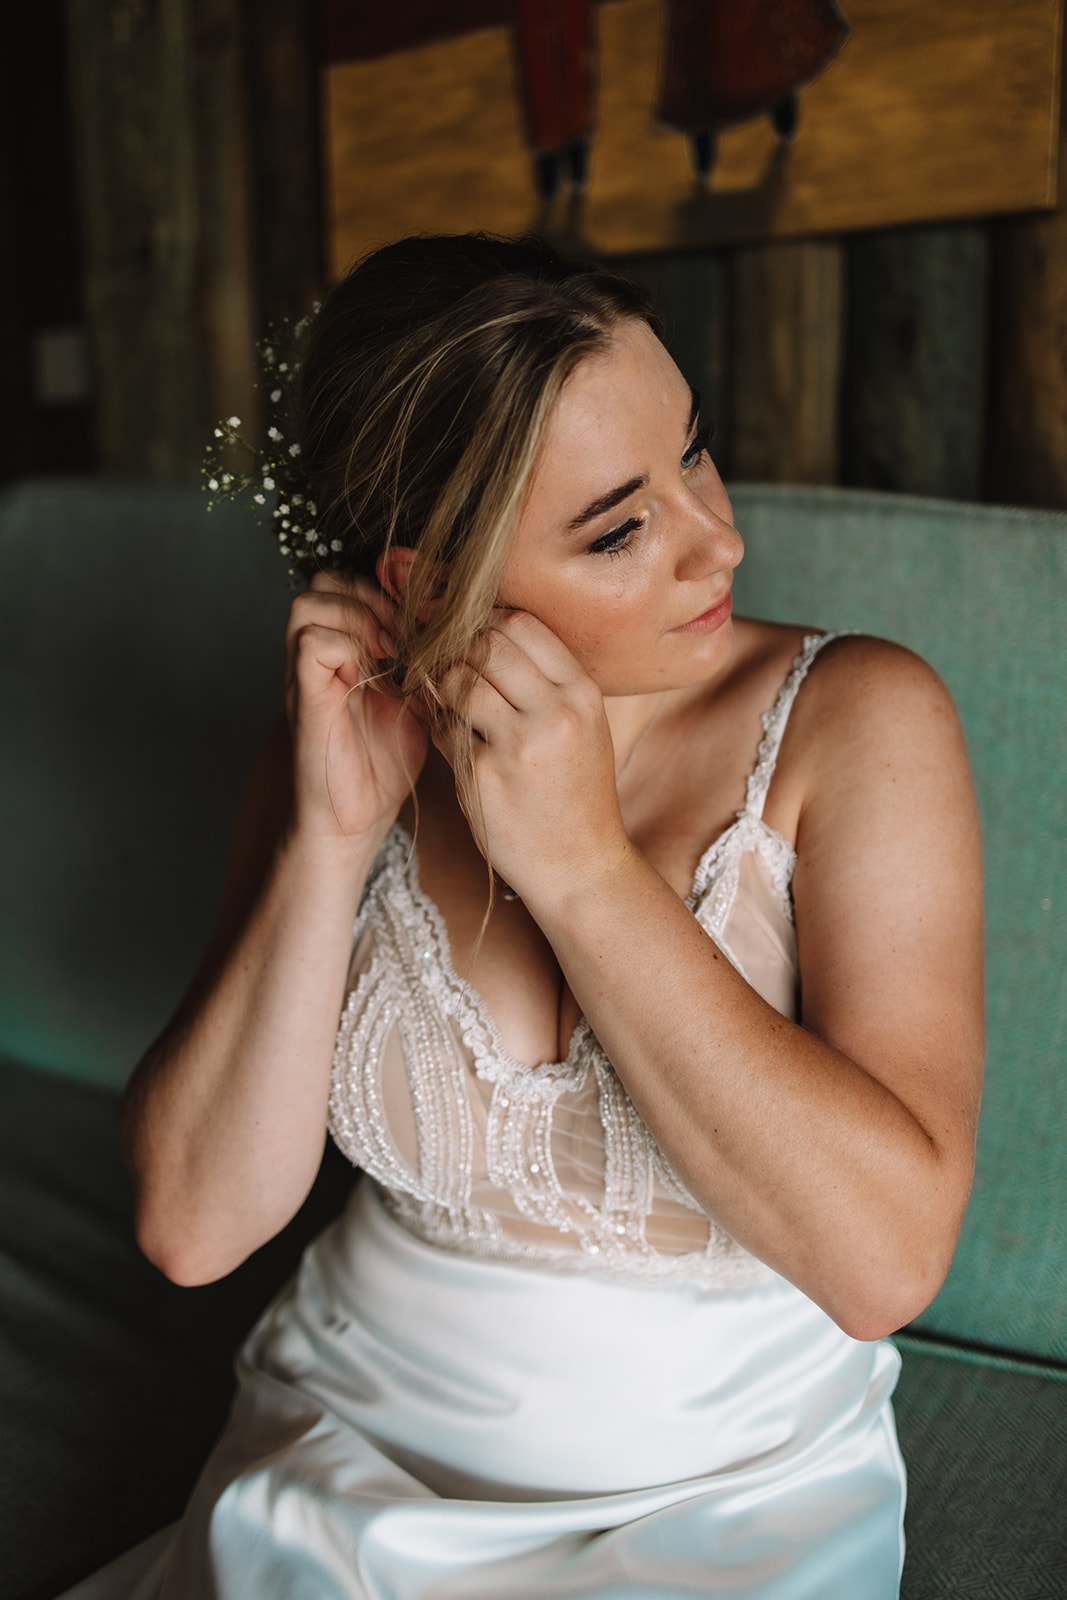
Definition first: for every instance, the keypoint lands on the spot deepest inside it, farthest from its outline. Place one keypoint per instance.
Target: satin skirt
(415, 1425)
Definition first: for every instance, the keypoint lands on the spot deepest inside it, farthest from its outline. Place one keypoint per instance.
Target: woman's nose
(711, 543)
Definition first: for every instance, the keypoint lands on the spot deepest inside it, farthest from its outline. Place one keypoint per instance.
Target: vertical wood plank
(1028, 392)
(133, 96)
(199, 178)
(227, 298)
(287, 144)
(787, 316)
(690, 292)
(914, 406)
(16, 434)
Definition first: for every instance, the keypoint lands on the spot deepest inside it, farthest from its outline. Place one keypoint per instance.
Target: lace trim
(774, 721)
(458, 999)
(723, 1265)
(718, 873)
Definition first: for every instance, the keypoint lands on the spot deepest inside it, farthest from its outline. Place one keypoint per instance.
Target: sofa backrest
(140, 665)
(141, 662)
(981, 593)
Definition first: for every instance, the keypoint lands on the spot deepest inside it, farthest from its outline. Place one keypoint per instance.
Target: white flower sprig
(276, 468)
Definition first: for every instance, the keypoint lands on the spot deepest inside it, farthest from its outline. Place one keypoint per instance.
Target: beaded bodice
(551, 1165)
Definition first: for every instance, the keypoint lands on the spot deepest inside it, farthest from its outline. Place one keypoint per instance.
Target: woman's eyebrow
(615, 497)
(607, 502)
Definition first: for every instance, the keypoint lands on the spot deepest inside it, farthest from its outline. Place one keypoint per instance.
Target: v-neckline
(570, 1066)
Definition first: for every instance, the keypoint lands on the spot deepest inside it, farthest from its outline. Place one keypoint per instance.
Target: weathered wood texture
(1028, 390)
(787, 331)
(286, 140)
(226, 308)
(913, 418)
(134, 97)
(16, 444)
(197, 133)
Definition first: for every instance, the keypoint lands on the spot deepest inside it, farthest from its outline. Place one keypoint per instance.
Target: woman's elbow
(893, 1296)
(188, 1257)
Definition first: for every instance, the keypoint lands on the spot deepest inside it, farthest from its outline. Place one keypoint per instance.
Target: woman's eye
(611, 543)
(700, 443)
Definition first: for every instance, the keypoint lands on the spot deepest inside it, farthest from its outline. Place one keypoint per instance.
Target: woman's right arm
(225, 1118)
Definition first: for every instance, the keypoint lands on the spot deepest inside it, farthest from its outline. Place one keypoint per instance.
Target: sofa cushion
(981, 592)
(985, 1442)
(113, 1382)
(141, 664)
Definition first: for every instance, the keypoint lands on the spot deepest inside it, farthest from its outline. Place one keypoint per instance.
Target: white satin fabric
(417, 1425)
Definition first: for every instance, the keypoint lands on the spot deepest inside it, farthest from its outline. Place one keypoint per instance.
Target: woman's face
(626, 547)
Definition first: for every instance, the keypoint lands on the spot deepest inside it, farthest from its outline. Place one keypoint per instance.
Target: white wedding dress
(524, 1364)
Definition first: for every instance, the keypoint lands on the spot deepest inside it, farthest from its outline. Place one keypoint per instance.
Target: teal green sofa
(140, 663)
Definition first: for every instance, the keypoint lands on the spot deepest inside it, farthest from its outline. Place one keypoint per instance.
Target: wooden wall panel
(787, 332)
(286, 141)
(199, 145)
(913, 418)
(134, 110)
(1028, 389)
(226, 307)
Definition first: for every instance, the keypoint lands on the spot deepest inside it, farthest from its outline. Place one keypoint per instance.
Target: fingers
(523, 694)
(522, 632)
(520, 659)
(355, 607)
(364, 594)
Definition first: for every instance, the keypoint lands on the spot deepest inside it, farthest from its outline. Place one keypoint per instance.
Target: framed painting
(613, 128)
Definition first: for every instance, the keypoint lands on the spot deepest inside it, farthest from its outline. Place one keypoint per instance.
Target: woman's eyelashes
(615, 542)
(618, 539)
(700, 441)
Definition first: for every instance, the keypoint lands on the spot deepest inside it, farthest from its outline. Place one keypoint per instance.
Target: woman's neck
(631, 718)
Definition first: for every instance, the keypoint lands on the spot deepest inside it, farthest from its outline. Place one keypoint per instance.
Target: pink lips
(708, 621)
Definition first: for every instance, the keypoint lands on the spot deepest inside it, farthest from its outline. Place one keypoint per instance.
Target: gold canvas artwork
(931, 111)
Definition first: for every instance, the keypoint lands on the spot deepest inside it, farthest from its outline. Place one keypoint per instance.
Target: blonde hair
(430, 378)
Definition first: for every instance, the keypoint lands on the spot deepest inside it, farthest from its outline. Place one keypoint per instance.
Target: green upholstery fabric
(986, 1450)
(113, 1382)
(981, 592)
(140, 665)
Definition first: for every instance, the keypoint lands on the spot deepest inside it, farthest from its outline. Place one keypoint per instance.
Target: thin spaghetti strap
(774, 721)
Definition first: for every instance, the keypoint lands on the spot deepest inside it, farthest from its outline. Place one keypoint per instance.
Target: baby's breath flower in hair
(277, 465)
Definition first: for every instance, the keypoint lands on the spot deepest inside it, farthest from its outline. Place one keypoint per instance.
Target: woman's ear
(393, 569)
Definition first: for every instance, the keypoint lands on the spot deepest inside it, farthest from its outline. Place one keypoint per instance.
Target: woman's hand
(544, 764)
(358, 747)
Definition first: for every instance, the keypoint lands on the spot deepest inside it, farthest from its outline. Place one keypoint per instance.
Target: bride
(660, 1029)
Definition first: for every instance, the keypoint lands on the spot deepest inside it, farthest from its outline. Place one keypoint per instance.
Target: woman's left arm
(838, 1149)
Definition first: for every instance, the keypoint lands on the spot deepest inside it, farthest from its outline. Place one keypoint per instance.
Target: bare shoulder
(873, 730)
(857, 672)
(867, 701)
